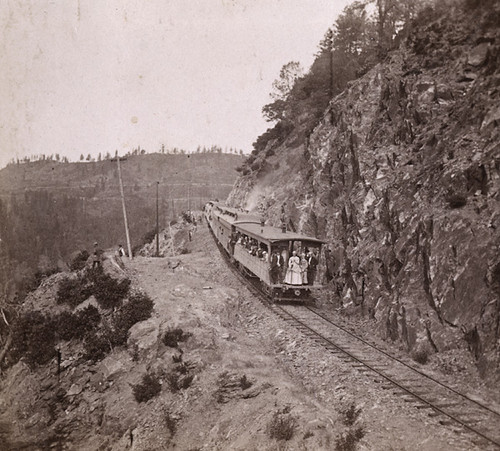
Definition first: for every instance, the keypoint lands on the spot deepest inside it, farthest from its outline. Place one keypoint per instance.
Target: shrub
(348, 441)
(350, 414)
(138, 308)
(108, 291)
(173, 381)
(172, 337)
(71, 291)
(178, 381)
(177, 358)
(229, 386)
(33, 338)
(96, 347)
(171, 422)
(76, 325)
(90, 316)
(147, 389)
(147, 238)
(244, 382)
(182, 368)
(255, 166)
(282, 425)
(79, 261)
(186, 381)
(420, 356)
(66, 325)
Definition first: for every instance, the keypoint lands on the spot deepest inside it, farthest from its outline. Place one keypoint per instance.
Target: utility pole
(123, 204)
(330, 51)
(157, 224)
(189, 185)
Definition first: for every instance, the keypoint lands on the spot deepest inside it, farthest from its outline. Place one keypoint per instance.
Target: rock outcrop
(401, 177)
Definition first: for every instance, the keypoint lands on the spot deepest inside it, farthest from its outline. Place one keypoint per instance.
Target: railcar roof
(234, 215)
(273, 234)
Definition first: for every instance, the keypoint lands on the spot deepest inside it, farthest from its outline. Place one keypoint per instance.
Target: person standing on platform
(274, 268)
(293, 276)
(312, 261)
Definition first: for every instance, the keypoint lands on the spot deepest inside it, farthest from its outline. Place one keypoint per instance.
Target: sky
(90, 76)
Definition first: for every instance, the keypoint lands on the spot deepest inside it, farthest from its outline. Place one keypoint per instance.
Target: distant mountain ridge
(50, 209)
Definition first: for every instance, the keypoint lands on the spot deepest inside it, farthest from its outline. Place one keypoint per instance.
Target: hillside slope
(401, 177)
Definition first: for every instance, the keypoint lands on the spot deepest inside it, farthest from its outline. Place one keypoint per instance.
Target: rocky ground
(255, 382)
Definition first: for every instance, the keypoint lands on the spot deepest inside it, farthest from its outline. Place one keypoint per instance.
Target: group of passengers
(251, 245)
(300, 270)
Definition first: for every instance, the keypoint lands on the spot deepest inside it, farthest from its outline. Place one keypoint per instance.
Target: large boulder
(144, 339)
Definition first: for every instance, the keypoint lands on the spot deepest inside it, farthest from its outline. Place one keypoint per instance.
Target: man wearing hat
(96, 256)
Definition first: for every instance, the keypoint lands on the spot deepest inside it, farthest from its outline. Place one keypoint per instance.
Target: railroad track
(393, 373)
(473, 416)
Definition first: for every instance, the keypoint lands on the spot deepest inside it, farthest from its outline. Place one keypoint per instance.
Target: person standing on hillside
(119, 254)
(97, 256)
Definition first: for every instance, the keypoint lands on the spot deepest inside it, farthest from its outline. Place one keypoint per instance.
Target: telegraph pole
(157, 224)
(123, 204)
(189, 185)
(330, 51)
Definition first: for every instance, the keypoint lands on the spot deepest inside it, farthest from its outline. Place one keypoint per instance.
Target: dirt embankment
(244, 380)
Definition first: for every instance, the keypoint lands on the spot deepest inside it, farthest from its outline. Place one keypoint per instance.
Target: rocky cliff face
(401, 177)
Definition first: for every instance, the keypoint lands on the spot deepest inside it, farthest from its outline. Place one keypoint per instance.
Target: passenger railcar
(262, 252)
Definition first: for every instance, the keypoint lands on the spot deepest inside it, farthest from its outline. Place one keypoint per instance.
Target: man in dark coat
(97, 256)
(274, 268)
(281, 266)
(312, 267)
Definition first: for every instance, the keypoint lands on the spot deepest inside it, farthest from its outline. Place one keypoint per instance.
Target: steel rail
(483, 406)
(380, 373)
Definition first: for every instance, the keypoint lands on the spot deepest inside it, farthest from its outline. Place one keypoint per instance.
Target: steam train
(253, 248)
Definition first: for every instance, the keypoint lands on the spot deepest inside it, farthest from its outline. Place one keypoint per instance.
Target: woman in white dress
(293, 273)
